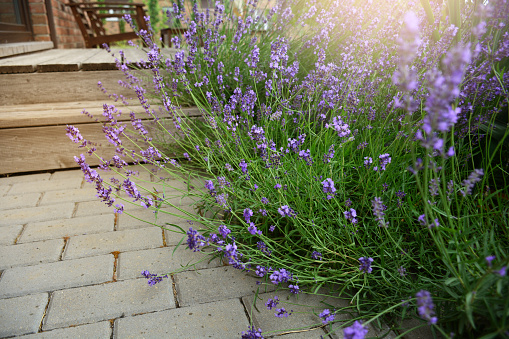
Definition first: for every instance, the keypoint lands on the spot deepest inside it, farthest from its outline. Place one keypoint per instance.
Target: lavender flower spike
(356, 331)
(426, 306)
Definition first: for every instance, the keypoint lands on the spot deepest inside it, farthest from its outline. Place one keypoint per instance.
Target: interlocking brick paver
(100, 330)
(203, 286)
(161, 261)
(63, 175)
(44, 186)
(67, 227)
(101, 302)
(129, 240)
(222, 319)
(96, 207)
(72, 195)
(30, 254)
(4, 189)
(56, 276)
(303, 308)
(128, 222)
(8, 234)
(25, 178)
(35, 214)
(22, 315)
(19, 200)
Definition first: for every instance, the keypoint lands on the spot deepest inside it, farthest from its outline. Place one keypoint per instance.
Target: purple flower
(195, 240)
(356, 331)
(473, 178)
(252, 333)
(271, 303)
(316, 255)
(402, 271)
(243, 166)
(248, 213)
(74, 134)
(384, 159)
(294, 289)
(329, 155)
(350, 215)
(223, 230)
(341, 128)
(228, 167)
(502, 272)
(306, 156)
(277, 186)
(378, 208)
(327, 316)
(281, 313)
(261, 271)
(152, 278)
(272, 228)
(265, 200)
(263, 247)
(489, 259)
(365, 264)
(328, 187)
(279, 276)
(286, 211)
(367, 161)
(253, 230)
(426, 306)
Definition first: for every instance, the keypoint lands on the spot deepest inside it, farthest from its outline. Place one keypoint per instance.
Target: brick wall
(68, 34)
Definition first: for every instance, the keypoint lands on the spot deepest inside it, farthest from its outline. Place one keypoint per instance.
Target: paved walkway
(70, 268)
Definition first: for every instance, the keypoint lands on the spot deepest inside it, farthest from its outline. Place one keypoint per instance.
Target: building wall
(68, 34)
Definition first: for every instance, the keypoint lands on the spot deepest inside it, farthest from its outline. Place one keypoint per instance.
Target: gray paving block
(68, 174)
(161, 261)
(4, 189)
(100, 330)
(147, 216)
(22, 315)
(96, 207)
(422, 332)
(67, 227)
(19, 200)
(35, 214)
(44, 186)
(203, 286)
(130, 240)
(30, 254)
(71, 195)
(8, 234)
(107, 301)
(25, 178)
(304, 306)
(222, 319)
(56, 276)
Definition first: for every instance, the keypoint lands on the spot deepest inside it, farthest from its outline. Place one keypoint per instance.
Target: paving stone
(222, 319)
(25, 178)
(107, 301)
(30, 254)
(35, 214)
(44, 186)
(161, 261)
(303, 306)
(4, 189)
(130, 240)
(8, 234)
(126, 221)
(56, 276)
(67, 227)
(19, 200)
(74, 195)
(422, 332)
(68, 174)
(194, 287)
(96, 207)
(100, 330)
(22, 315)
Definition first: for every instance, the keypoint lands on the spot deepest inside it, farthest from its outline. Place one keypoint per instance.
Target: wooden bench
(89, 17)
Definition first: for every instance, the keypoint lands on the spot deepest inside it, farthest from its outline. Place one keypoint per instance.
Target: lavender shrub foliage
(347, 143)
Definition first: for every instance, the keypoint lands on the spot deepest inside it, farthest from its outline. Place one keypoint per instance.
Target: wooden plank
(28, 63)
(101, 61)
(70, 113)
(48, 148)
(36, 88)
(67, 62)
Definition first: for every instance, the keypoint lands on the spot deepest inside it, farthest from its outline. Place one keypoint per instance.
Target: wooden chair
(89, 17)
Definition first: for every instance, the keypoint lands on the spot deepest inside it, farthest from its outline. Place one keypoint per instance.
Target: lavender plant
(365, 161)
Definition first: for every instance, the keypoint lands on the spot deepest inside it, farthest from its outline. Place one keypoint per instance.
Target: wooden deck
(43, 92)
